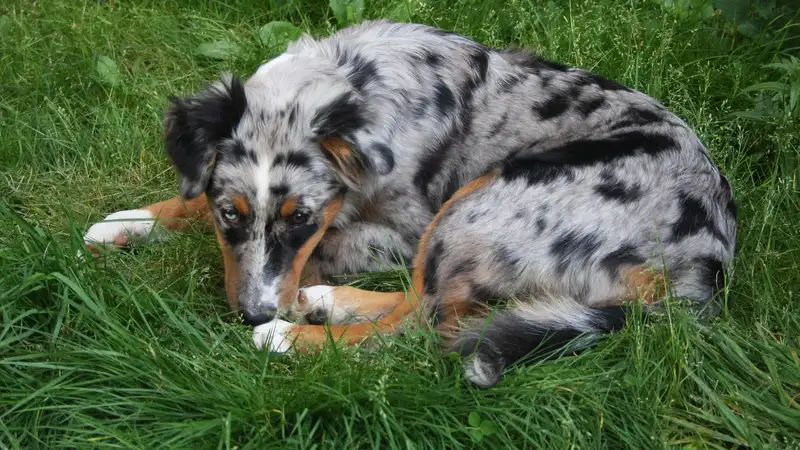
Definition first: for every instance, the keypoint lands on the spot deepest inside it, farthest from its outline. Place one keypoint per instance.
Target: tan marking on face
(644, 284)
(312, 336)
(289, 206)
(231, 273)
(292, 280)
(241, 204)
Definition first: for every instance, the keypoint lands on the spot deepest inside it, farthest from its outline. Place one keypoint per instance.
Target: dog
(493, 173)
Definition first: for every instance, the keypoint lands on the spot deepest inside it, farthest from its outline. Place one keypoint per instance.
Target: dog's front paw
(274, 336)
(320, 304)
(122, 228)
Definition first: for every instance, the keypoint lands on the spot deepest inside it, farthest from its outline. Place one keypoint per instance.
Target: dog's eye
(231, 216)
(299, 217)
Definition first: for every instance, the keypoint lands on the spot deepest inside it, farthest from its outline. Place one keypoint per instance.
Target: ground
(138, 350)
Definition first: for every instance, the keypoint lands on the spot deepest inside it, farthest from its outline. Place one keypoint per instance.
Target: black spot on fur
(553, 106)
(253, 156)
(363, 72)
(693, 219)
(509, 82)
(531, 61)
(433, 59)
(572, 248)
(605, 83)
(588, 107)
(715, 273)
(385, 153)
(279, 190)
(341, 116)
(292, 116)
(619, 191)
(445, 100)
(193, 126)
(551, 65)
(473, 216)
(297, 159)
(732, 209)
(626, 255)
(430, 280)
(588, 152)
(534, 172)
(480, 63)
(540, 224)
(634, 116)
(453, 184)
(232, 150)
(261, 116)
(731, 205)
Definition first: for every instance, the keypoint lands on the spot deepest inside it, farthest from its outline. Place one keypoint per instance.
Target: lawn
(138, 350)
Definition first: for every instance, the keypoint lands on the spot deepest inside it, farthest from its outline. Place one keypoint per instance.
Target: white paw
(273, 335)
(121, 228)
(323, 304)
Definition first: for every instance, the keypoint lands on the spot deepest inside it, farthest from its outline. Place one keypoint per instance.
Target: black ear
(343, 128)
(195, 125)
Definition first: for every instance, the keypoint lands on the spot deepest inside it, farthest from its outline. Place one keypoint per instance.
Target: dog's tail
(537, 329)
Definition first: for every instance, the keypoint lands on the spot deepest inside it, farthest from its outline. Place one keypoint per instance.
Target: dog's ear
(342, 126)
(195, 125)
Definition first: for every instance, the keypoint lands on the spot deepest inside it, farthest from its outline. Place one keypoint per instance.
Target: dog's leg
(139, 225)
(279, 335)
(362, 248)
(341, 305)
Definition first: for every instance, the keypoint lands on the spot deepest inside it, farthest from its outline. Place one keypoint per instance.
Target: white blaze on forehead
(261, 177)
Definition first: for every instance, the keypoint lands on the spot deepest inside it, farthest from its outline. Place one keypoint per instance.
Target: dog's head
(275, 156)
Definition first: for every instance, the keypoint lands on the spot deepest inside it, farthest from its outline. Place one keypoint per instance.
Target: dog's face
(275, 157)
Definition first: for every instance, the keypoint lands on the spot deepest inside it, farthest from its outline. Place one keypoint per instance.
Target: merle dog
(495, 173)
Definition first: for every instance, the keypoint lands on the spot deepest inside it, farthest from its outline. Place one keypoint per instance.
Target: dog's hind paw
(273, 336)
(122, 228)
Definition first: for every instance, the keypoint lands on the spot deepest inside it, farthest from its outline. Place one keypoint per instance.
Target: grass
(138, 350)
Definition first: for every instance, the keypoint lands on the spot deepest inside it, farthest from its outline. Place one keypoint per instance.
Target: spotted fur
(334, 158)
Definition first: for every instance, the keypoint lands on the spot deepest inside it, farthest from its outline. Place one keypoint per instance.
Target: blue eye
(231, 216)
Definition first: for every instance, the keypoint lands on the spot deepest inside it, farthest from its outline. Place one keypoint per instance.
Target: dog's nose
(264, 315)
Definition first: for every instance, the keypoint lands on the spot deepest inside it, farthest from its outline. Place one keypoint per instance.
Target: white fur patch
(137, 224)
(273, 336)
(267, 66)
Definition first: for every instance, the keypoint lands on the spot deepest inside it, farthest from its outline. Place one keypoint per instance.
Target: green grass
(138, 350)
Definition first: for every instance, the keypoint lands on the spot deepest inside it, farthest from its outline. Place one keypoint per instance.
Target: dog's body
(507, 175)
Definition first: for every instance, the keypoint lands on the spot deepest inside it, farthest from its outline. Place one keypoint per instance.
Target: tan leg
(138, 225)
